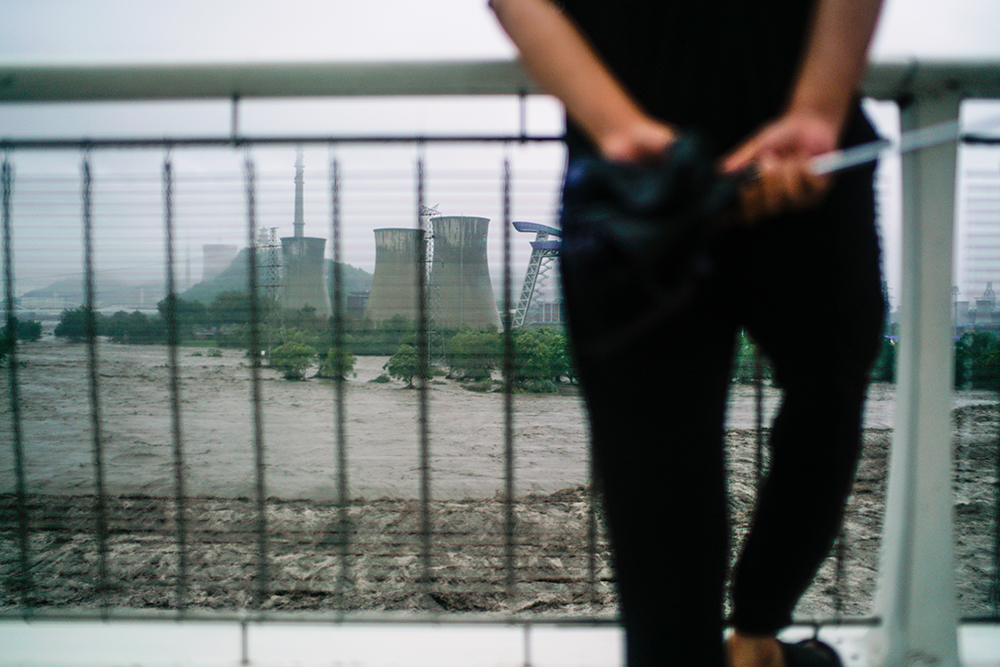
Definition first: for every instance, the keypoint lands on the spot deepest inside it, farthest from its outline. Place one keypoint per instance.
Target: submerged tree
(293, 359)
(74, 324)
(404, 365)
(472, 355)
(977, 360)
(339, 363)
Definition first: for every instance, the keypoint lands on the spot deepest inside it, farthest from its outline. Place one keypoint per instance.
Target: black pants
(807, 288)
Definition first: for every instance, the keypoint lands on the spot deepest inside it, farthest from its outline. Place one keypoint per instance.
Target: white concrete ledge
(163, 644)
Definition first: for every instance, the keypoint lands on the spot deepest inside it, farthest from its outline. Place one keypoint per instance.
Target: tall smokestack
(300, 217)
(303, 258)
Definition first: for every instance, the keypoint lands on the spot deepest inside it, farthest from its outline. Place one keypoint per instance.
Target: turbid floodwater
(383, 531)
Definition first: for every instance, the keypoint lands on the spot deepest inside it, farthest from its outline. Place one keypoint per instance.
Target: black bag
(635, 240)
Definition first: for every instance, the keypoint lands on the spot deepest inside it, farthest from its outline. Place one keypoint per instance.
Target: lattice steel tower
(544, 252)
(269, 261)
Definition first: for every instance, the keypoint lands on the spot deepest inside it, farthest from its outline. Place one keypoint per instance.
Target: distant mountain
(109, 293)
(234, 279)
(355, 279)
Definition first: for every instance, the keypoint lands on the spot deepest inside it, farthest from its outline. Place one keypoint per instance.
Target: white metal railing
(74, 82)
(916, 592)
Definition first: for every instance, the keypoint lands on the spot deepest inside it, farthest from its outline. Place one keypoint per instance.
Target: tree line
(541, 358)
(23, 330)
(227, 310)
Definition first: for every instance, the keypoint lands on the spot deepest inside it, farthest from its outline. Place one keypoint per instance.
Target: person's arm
(834, 61)
(563, 63)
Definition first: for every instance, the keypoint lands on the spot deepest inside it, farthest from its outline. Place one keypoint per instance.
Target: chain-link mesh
(21, 580)
(995, 585)
(520, 551)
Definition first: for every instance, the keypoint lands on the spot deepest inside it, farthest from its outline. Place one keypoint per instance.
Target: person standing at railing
(766, 86)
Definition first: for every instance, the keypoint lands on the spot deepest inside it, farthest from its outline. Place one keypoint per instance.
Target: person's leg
(656, 404)
(815, 306)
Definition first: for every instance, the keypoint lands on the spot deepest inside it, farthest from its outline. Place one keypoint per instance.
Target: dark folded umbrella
(636, 238)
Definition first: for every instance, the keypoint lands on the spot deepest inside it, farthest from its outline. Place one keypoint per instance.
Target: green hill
(234, 279)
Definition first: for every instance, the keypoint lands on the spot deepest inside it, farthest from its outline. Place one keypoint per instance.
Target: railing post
(915, 597)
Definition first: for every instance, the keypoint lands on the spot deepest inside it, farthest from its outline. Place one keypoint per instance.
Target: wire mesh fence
(164, 462)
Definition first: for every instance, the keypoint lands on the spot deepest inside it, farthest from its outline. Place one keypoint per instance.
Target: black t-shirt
(723, 67)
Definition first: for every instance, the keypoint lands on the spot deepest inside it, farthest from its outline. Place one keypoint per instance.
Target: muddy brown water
(306, 566)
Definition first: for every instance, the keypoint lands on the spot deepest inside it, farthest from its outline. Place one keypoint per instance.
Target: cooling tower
(302, 257)
(394, 286)
(460, 289)
(216, 259)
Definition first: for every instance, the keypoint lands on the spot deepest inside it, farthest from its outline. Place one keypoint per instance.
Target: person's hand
(780, 156)
(643, 140)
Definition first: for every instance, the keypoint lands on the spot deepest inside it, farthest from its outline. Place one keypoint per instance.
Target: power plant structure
(269, 262)
(395, 285)
(459, 291)
(216, 258)
(303, 259)
(544, 255)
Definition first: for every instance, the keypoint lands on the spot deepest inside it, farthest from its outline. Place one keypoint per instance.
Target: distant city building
(356, 303)
(979, 242)
(979, 315)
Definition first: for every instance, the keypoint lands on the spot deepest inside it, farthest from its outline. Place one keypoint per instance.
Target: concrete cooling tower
(302, 257)
(394, 285)
(216, 258)
(460, 289)
(304, 285)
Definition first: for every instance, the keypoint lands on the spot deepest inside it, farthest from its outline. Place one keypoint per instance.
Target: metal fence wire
(182, 550)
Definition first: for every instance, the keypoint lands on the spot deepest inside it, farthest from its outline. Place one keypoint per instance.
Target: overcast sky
(462, 181)
(240, 30)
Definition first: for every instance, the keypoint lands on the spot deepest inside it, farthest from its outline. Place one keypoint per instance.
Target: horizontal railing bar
(381, 617)
(70, 82)
(196, 142)
(66, 82)
(980, 139)
(240, 141)
(364, 617)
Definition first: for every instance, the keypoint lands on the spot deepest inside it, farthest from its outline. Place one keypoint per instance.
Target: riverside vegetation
(540, 362)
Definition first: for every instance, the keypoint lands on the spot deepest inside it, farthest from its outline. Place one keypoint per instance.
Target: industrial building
(302, 257)
(460, 291)
(395, 287)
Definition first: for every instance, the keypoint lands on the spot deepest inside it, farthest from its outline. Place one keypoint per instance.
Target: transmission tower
(269, 254)
(269, 261)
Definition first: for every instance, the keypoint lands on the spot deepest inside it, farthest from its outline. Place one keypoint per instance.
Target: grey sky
(231, 30)
(213, 30)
